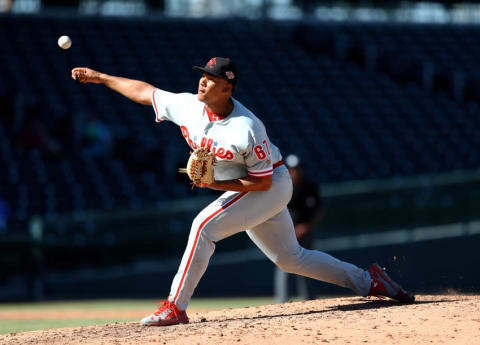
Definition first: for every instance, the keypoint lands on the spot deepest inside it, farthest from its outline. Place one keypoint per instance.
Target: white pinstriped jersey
(239, 141)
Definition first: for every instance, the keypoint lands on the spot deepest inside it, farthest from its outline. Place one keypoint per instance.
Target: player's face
(212, 89)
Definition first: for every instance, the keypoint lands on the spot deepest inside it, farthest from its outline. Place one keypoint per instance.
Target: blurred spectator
(5, 5)
(34, 134)
(97, 138)
(306, 210)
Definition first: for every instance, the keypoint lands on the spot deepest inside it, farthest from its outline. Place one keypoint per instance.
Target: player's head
(296, 170)
(218, 79)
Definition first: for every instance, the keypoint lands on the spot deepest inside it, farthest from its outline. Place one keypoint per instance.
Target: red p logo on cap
(212, 62)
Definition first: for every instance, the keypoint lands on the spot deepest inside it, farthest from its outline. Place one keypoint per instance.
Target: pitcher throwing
(257, 188)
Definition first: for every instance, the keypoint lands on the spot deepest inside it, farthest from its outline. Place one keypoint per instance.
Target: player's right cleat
(166, 315)
(383, 285)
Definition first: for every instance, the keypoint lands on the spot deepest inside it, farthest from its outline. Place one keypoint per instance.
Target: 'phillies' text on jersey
(208, 143)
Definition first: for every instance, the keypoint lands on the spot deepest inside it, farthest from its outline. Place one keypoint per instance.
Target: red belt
(276, 165)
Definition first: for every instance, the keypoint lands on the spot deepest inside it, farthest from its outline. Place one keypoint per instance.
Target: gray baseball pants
(265, 218)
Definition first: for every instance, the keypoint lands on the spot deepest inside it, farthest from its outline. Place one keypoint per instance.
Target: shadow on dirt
(365, 304)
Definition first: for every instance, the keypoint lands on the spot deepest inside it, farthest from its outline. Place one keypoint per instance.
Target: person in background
(97, 138)
(306, 210)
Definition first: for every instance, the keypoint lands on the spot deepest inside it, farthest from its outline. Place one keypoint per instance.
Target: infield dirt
(432, 319)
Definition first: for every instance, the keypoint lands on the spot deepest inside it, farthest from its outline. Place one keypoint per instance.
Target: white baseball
(64, 42)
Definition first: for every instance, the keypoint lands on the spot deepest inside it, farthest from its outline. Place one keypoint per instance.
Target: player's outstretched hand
(86, 75)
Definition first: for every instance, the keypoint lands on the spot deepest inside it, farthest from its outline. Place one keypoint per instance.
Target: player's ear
(228, 87)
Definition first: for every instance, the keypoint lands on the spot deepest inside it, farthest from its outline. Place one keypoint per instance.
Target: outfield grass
(12, 325)
(80, 305)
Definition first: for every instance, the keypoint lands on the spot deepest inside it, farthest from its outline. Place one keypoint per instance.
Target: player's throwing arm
(136, 90)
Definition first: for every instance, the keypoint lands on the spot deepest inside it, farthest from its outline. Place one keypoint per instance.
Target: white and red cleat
(383, 285)
(166, 315)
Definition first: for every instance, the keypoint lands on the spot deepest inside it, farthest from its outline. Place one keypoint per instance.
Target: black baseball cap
(220, 67)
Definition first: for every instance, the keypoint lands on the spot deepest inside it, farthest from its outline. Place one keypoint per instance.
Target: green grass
(80, 305)
(196, 303)
(17, 325)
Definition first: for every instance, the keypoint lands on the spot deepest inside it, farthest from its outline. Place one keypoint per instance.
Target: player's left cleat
(383, 285)
(166, 315)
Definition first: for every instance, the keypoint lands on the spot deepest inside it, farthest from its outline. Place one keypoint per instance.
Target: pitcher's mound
(353, 320)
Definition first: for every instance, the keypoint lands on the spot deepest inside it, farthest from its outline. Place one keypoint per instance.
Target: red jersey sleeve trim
(261, 173)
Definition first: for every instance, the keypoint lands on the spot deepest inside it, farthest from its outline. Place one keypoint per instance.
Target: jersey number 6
(260, 152)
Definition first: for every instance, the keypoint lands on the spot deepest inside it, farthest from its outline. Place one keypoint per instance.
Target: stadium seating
(66, 147)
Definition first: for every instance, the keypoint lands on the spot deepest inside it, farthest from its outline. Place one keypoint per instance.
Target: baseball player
(257, 188)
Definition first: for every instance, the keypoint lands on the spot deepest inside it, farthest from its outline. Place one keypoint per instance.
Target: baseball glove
(200, 166)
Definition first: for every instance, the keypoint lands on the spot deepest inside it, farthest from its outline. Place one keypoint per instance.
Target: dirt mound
(353, 320)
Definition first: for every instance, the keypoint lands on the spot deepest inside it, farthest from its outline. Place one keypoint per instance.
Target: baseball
(64, 42)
